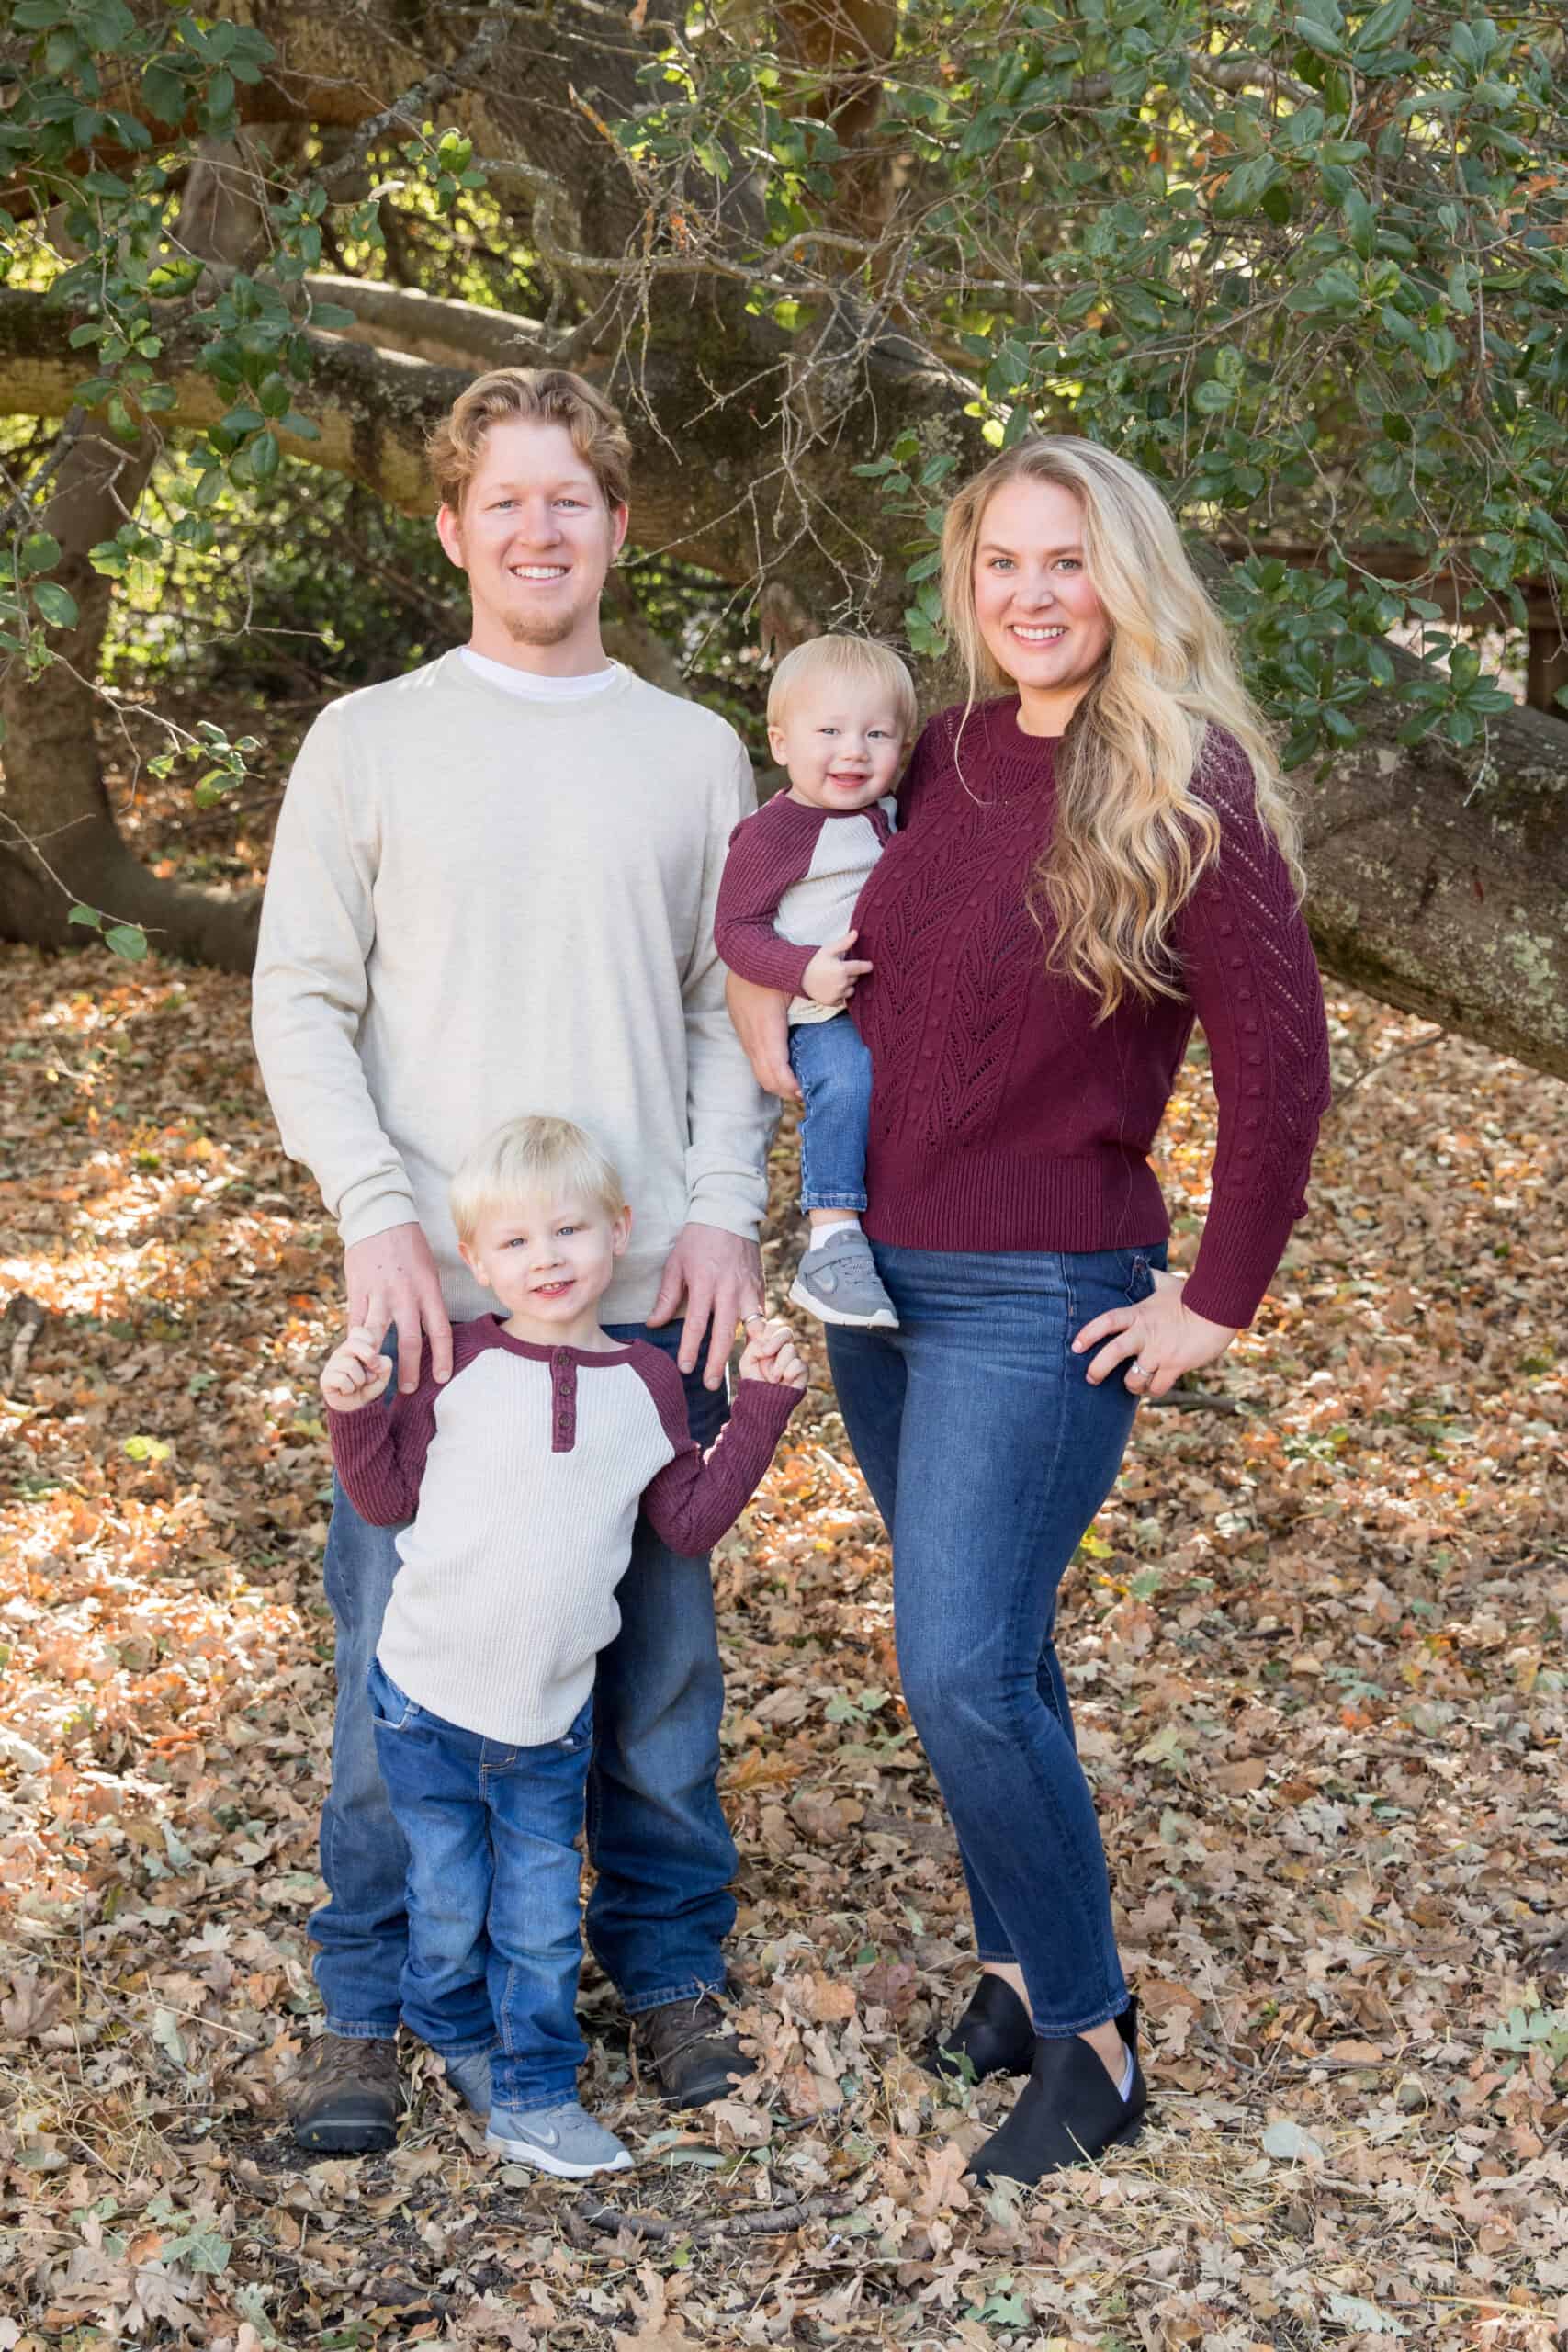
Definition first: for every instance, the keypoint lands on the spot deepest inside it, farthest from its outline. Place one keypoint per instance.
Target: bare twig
(768, 2222)
(1412, 1046)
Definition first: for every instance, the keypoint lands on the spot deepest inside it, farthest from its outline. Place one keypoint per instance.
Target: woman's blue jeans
(988, 1452)
(495, 1942)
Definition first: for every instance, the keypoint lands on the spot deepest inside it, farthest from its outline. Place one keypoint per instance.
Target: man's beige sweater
(480, 906)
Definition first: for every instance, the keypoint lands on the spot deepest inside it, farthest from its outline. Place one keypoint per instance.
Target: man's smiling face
(536, 538)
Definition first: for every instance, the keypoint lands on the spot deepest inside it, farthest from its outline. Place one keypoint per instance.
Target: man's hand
(391, 1279)
(830, 977)
(356, 1372)
(773, 1355)
(720, 1278)
(760, 1024)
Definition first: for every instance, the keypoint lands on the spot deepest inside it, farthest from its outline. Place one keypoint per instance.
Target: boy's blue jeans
(661, 1907)
(834, 1071)
(989, 1450)
(493, 1939)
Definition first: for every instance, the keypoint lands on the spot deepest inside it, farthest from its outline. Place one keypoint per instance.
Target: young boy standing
(841, 713)
(524, 1475)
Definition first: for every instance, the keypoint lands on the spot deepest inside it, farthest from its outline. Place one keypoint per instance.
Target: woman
(1081, 868)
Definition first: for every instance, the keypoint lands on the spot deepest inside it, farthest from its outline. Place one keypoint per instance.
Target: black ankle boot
(1068, 2111)
(995, 2035)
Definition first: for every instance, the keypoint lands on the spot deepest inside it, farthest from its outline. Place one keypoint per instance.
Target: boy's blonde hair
(528, 1160)
(858, 658)
(531, 396)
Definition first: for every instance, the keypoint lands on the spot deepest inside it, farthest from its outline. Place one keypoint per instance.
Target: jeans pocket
(580, 1734)
(1140, 1275)
(391, 1707)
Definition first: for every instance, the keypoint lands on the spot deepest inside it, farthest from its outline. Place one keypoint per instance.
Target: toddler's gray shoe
(470, 2077)
(838, 1282)
(561, 2140)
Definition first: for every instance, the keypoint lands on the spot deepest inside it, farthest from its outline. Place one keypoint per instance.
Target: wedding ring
(756, 1315)
(1137, 1367)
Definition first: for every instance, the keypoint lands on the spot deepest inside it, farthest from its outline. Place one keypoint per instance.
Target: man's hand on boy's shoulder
(773, 1355)
(356, 1372)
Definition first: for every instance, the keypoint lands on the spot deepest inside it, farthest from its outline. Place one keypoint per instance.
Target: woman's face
(1042, 623)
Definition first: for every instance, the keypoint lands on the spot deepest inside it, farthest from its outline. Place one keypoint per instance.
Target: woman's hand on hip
(1155, 1341)
(760, 1024)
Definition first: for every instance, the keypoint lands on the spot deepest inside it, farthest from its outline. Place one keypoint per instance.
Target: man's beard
(541, 630)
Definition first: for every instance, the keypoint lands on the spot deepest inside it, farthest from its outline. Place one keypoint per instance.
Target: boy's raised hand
(830, 977)
(774, 1356)
(356, 1372)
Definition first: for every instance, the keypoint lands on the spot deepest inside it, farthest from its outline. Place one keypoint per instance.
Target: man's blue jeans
(988, 1452)
(495, 1945)
(834, 1069)
(661, 1907)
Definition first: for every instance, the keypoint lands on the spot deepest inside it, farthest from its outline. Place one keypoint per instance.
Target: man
(493, 893)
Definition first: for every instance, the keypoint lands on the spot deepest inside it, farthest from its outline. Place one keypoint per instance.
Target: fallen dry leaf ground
(1316, 1646)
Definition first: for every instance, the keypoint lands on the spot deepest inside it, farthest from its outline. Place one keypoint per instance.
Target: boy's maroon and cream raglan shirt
(523, 1476)
(789, 886)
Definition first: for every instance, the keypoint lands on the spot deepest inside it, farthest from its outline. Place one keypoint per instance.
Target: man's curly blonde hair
(530, 396)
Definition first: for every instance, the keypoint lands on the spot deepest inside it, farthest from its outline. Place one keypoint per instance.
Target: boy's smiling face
(549, 1262)
(841, 742)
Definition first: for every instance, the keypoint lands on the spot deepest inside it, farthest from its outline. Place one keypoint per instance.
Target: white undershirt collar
(528, 685)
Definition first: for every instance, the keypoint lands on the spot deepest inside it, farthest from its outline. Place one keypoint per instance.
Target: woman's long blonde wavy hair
(1132, 836)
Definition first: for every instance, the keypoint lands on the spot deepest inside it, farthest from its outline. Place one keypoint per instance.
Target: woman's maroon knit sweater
(1003, 1116)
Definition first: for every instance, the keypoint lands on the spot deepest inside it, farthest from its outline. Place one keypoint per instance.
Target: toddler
(523, 1476)
(841, 712)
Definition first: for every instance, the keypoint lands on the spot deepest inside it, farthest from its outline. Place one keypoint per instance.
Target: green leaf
(55, 603)
(1362, 223)
(38, 552)
(88, 916)
(1245, 189)
(130, 941)
(1212, 397)
(264, 455)
(1378, 29)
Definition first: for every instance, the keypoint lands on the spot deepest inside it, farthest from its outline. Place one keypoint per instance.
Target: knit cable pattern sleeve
(1250, 971)
(696, 1497)
(767, 853)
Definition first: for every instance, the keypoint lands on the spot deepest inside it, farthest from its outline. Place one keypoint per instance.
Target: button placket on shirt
(563, 1401)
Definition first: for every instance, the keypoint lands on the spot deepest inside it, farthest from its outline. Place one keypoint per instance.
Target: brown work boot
(344, 2096)
(684, 2048)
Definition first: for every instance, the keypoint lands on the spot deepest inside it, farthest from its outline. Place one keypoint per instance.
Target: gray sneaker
(839, 1284)
(561, 2140)
(470, 2077)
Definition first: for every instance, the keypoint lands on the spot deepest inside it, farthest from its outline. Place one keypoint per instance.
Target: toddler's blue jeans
(494, 1942)
(834, 1071)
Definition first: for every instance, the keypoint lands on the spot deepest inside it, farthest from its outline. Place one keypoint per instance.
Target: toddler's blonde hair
(858, 658)
(528, 1160)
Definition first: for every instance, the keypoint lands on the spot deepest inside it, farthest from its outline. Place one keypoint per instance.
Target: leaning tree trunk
(58, 842)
